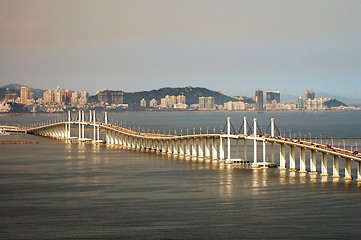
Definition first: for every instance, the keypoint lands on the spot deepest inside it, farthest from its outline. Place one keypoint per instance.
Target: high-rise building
(58, 96)
(206, 103)
(143, 103)
(273, 95)
(309, 94)
(10, 96)
(84, 98)
(153, 103)
(24, 94)
(74, 97)
(300, 103)
(48, 96)
(111, 97)
(181, 99)
(259, 100)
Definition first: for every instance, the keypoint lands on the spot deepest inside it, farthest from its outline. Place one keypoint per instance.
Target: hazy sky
(233, 46)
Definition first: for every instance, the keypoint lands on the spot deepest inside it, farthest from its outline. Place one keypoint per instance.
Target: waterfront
(58, 190)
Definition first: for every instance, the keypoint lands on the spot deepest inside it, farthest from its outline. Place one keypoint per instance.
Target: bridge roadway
(207, 146)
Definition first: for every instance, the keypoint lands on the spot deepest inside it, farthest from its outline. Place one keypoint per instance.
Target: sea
(53, 189)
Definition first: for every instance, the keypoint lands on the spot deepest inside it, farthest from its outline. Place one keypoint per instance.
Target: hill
(15, 88)
(192, 95)
(334, 103)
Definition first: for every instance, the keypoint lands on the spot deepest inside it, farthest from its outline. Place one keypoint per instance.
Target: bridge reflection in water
(211, 146)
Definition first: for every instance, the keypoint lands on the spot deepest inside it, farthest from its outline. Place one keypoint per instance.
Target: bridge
(209, 146)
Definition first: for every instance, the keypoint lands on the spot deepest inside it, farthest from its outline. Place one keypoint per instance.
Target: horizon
(349, 101)
(235, 47)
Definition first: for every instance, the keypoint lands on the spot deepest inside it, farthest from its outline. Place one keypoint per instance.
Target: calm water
(80, 191)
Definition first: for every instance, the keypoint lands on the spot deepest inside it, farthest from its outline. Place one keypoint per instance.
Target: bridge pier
(302, 160)
(175, 146)
(324, 164)
(255, 165)
(292, 159)
(347, 169)
(282, 157)
(194, 148)
(336, 171)
(264, 154)
(188, 147)
(214, 149)
(207, 150)
(181, 147)
(200, 148)
(221, 149)
(358, 172)
(313, 169)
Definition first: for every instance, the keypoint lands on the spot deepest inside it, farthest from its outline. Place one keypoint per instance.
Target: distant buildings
(153, 103)
(24, 94)
(309, 94)
(10, 96)
(259, 100)
(206, 104)
(273, 95)
(234, 106)
(75, 97)
(110, 97)
(84, 98)
(143, 103)
(173, 102)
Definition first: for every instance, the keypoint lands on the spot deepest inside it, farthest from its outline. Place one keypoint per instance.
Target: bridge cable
(250, 129)
(240, 128)
(279, 133)
(267, 129)
(235, 132)
(258, 127)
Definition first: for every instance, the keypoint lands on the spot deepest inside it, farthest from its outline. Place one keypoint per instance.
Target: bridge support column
(245, 149)
(124, 142)
(116, 138)
(292, 159)
(245, 140)
(302, 160)
(69, 120)
(200, 148)
(194, 147)
(358, 172)
(164, 146)
(264, 154)
(347, 169)
(221, 149)
(134, 142)
(79, 120)
(207, 152)
(228, 140)
(106, 136)
(282, 156)
(214, 149)
(181, 147)
(170, 147)
(336, 167)
(188, 147)
(272, 152)
(313, 169)
(254, 164)
(324, 164)
(82, 126)
(175, 146)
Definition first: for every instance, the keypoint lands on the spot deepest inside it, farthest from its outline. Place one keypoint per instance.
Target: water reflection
(225, 183)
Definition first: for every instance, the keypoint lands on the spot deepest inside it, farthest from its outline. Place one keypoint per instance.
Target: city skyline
(235, 47)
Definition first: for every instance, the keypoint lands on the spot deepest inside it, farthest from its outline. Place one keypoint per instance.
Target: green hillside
(192, 95)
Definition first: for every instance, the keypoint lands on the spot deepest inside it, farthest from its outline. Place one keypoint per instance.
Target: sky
(234, 46)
